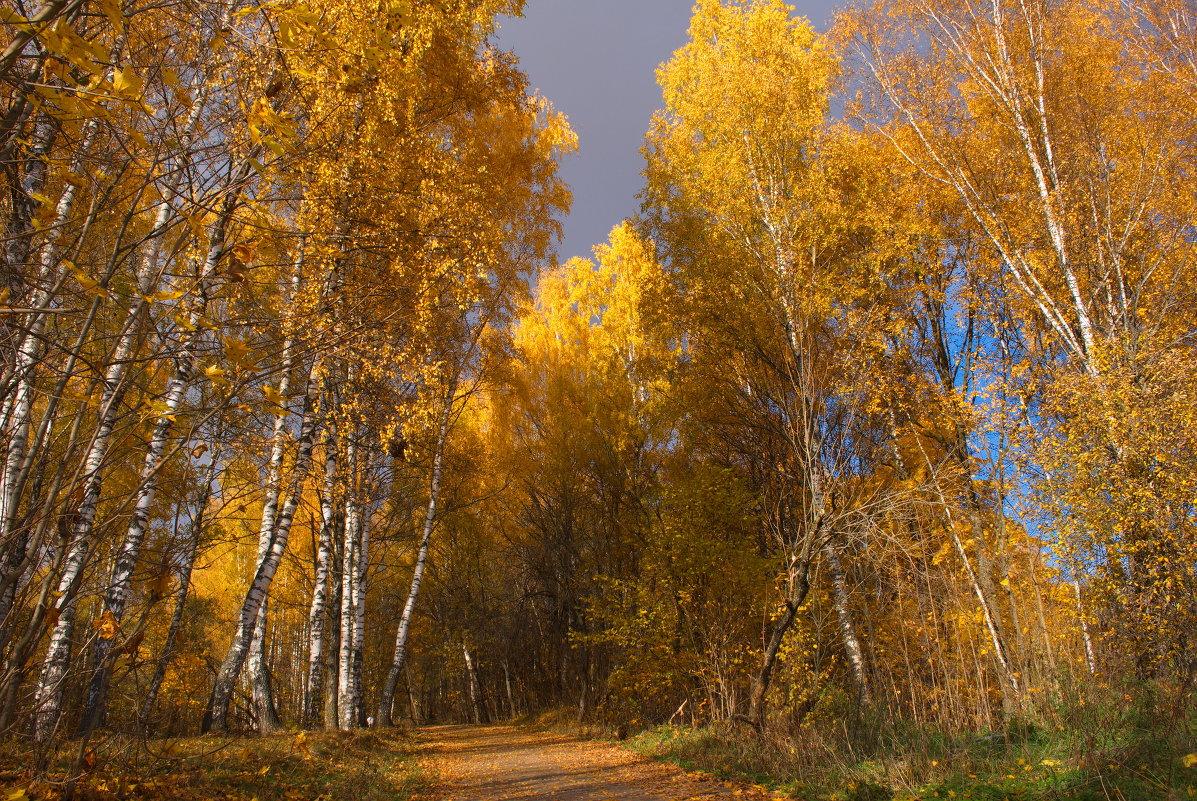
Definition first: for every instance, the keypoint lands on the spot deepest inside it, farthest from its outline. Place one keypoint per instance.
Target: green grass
(359, 766)
(1120, 747)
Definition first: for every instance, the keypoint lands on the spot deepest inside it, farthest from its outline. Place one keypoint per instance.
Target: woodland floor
(509, 763)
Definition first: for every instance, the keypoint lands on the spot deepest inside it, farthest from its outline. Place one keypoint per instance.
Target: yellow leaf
(107, 626)
(1189, 760)
(162, 585)
(127, 82)
(112, 9)
(216, 374)
(90, 286)
(273, 395)
(10, 17)
(160, 409)
(244, 252)
(238, 352)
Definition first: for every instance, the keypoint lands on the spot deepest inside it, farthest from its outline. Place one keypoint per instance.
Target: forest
(873, 427)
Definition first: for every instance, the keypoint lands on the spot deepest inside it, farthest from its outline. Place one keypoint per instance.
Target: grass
(358, 766)
(1116, 748)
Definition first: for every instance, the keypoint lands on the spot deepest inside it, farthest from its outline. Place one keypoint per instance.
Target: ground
(508, 763)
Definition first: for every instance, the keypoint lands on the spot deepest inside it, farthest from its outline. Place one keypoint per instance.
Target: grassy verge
(1128, 752)
(359, 766)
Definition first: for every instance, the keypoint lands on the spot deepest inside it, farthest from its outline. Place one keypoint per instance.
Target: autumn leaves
(242, 238)
(894, 405)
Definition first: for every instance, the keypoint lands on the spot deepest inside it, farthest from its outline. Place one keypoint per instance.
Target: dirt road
(506, 763)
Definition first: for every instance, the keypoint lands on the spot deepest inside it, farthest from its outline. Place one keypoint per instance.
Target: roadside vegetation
(1108, 745)
(356, 766)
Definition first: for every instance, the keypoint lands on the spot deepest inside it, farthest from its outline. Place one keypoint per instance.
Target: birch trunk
(176, 619)
(346, 691)
(843, 612)
(475, 689)
(17, 418)
(119, 584)
(259, 672)
(799, 586)
(332, 676)
(319, 613)
(234, 661)
(48, 700)
(387, 698)
(362, 562)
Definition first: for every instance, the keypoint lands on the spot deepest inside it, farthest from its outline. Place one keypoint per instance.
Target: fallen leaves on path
(507, 763)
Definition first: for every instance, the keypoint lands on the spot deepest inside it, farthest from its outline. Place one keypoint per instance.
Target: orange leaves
(107, 627)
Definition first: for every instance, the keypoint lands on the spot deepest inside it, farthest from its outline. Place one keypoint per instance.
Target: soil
(508, 763)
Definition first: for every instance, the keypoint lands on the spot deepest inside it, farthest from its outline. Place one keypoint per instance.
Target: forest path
(508, 763)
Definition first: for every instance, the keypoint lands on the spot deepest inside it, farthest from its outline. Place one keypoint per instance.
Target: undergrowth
(1115, 746)
(359, 766)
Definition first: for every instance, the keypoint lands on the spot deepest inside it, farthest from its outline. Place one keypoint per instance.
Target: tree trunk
(361, 562)
(332, 676)
(843, 612)
(119, 584)
(387, 696)
(318, 614)
(230, 669)
(346, 690)
(799, 586)
(476, 710)
(176, 620)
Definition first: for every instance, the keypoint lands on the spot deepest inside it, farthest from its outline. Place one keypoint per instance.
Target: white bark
(400, 654)
(843, 611)
(346, 681)
(119, 584)
(48, 693)
(230, 670)
(362, 561)
(318, 613)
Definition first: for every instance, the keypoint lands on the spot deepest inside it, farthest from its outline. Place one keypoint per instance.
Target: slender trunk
(265, 711)
(361, 562)
(176, 620)
(48, 698)
(259, 671)
(17, 418)
(1090, 660)
(119, 585)
(510, 696)
(332, 676)
(843, 612)
(346, 690)
(475, 689)
(20, 231)
(318, 614)
(387, 697)
(799, 587)
(412, 702)
(230, 669)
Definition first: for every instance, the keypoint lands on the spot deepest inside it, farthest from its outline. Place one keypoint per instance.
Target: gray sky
(596, 60)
